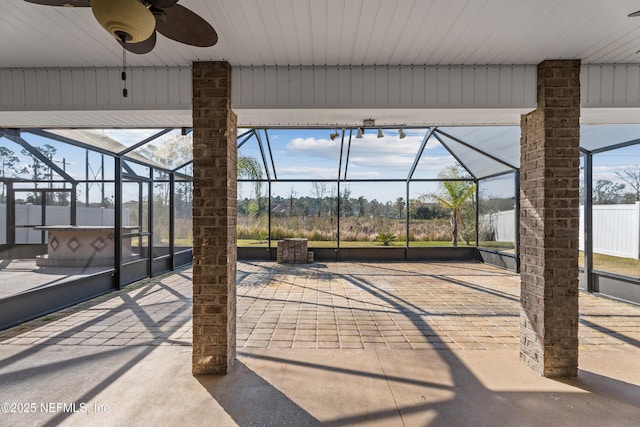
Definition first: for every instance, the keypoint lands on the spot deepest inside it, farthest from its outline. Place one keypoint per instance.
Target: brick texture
(549, 222)
(214, 219)
(292, 251)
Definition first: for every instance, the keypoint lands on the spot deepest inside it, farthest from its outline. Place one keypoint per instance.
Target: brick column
(214, 219)
(549, 222)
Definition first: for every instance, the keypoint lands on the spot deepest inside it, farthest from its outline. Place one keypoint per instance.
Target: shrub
(386, 238)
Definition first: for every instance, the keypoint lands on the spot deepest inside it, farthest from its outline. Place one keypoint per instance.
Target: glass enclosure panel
(477, 163)
(28, 213)
(249, 154)
(134, 248)
(253, 213)
(434, 160)
(183, 215)
(372, 214)
(169, 150)
(95, 190)
(428, 222)
(296, 211)
(454, 199)
(77, 162)
(185, 171)
(136, 170)
(125, 137)
(502, 142)
(101, 209)
(161, 210)
(135, 208)
(299, 154)
(497, 213)
(387, 157)
(594, 137)
(616, 211)
(18, 162)
(58, 208)
(12, 161)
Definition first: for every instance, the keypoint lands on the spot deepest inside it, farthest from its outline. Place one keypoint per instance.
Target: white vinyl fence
(56, 215)
(616, 229)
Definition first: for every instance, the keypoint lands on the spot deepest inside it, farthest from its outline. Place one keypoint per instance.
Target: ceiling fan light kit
(127, 20)
(133, 23)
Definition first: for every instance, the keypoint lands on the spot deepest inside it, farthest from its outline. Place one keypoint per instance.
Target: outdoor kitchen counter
(82, 245)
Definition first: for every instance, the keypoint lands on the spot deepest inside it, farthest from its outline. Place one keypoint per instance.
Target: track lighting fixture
(333, 136)
(380, 134)
(360, 132)
(401, 133)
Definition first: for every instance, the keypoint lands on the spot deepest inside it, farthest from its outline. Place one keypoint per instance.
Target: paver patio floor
(354, 305)
(347, 343)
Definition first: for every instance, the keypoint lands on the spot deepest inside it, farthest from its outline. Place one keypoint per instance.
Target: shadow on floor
(252, 401)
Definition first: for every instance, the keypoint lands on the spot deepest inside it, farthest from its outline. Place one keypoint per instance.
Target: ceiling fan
(133, 23)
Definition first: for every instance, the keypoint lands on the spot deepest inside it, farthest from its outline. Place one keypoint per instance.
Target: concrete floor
(21, 275)
(326, 344)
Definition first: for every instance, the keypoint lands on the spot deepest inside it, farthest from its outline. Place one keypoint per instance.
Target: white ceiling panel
(341, 32)
(345, 33)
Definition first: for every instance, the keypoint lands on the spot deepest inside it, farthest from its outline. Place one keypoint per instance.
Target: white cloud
(313, 147)
(309, 172)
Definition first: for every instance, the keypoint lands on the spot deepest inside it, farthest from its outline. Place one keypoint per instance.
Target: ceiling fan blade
(143, 47)
(64, 3)
(162, 4)
(183, 25)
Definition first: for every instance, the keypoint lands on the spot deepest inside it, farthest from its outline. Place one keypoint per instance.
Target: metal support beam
(516, 219)
(419, 154)
(74, 204)
(588, 221)
(264, 159)
(273, 165)
(117, 223)
(172, 220)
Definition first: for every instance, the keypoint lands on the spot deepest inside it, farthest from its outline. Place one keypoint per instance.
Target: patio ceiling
(333, 33)
(330, 32)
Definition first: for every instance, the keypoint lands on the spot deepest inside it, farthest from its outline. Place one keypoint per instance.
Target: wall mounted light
(380, 134)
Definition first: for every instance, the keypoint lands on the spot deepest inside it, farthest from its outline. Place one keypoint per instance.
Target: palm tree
(453, 195)
(249, 168)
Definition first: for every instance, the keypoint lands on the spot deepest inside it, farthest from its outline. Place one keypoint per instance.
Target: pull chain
(124, 71)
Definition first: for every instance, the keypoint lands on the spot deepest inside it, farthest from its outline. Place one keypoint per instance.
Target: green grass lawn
(504, 246)
(613, 264)
(348, 244)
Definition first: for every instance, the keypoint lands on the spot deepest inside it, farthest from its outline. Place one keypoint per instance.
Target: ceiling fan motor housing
(124, 19)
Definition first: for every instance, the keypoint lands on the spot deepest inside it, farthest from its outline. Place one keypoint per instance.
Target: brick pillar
(214, 219)
(549, 222)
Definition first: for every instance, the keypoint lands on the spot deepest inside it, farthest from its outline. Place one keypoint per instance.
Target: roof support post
(549, 222)
(215, 161)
